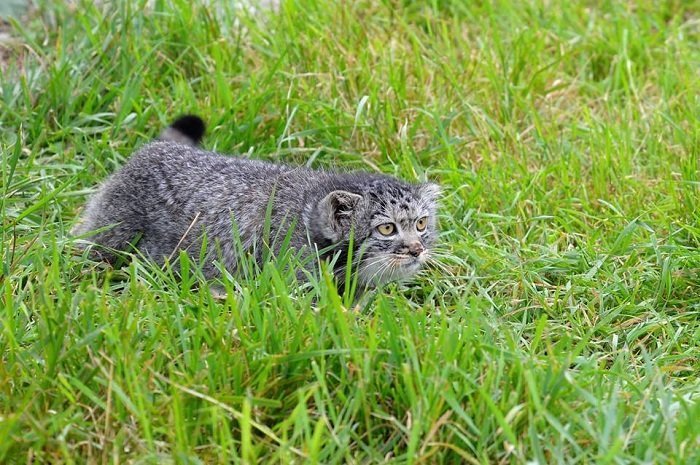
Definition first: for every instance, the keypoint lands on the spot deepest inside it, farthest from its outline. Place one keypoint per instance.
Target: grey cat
(171, 195)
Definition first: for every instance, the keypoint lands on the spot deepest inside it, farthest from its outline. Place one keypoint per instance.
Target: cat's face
(394, 228)
(399, 229)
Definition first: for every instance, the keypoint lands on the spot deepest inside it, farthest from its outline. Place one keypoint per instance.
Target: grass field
(561, 327)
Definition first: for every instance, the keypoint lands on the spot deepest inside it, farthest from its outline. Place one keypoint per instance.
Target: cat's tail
(187, 129)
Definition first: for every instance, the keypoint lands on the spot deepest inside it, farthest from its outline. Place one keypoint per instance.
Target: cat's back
(169, 178)
(166, 158)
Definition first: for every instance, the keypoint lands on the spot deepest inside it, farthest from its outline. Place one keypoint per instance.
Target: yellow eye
(422, 223)
(386, 229)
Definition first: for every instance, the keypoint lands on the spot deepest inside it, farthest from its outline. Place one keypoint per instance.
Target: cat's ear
(430, 191)
(335, 212)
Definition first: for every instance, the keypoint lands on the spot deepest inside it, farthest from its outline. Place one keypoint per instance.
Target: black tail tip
(191, 126)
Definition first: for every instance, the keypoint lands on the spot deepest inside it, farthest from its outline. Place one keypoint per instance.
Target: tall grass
(560, 327)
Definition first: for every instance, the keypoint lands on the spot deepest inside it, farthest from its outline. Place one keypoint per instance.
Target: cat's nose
(415, 248)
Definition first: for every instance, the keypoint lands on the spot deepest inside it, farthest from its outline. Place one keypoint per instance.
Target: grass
(564, 325)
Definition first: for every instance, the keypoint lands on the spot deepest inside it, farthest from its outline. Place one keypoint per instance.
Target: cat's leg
(109, 225)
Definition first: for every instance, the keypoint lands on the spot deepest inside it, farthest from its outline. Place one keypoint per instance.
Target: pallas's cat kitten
(170, 195)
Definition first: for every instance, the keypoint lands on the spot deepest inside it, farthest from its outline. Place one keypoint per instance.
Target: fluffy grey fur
(169, 195)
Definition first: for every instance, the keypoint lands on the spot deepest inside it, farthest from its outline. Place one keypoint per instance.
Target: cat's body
(170, 195)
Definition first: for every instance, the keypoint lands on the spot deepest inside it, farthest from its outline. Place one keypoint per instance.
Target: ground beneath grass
(561, 327)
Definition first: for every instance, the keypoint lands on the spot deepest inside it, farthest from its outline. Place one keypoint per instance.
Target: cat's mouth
(406, 260)
(391, 267)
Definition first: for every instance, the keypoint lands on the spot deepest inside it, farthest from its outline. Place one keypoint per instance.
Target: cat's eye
(422, 223)
(386, 229)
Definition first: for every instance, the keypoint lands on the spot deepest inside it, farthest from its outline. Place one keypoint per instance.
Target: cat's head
(393, 224)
